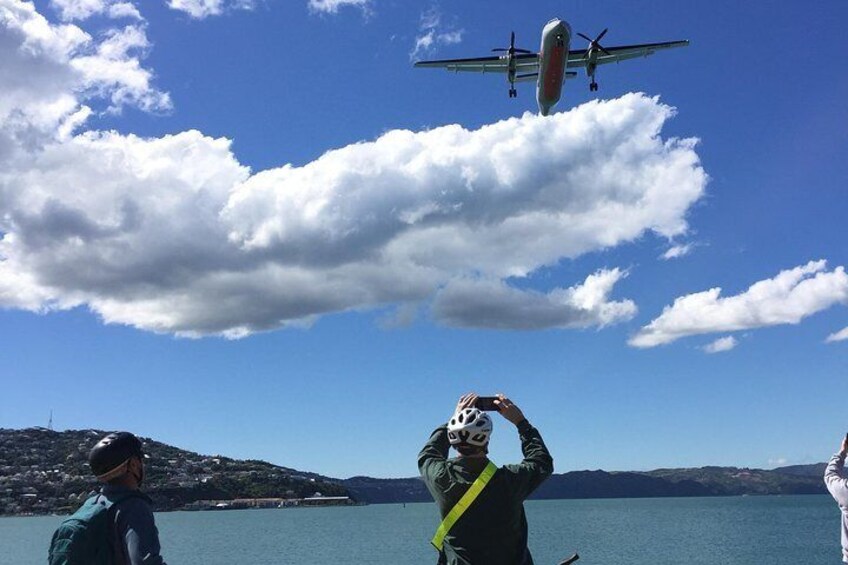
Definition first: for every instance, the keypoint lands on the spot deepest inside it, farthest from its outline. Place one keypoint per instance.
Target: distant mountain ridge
(43, 471)
(812, 470)
(703, 481)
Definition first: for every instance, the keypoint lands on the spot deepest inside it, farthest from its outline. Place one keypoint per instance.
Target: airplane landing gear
(510, 63)
(593, 86)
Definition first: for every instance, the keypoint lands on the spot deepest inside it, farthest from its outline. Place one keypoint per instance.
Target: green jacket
(493, 531)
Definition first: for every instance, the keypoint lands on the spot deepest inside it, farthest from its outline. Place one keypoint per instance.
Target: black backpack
(85, 537)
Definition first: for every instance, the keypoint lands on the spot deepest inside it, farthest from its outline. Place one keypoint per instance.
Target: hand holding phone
(486, 403)
(509, 410)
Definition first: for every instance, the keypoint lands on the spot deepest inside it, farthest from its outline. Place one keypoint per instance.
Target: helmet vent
(470, 425)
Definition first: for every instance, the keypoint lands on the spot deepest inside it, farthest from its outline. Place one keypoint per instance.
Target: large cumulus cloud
(175, 235)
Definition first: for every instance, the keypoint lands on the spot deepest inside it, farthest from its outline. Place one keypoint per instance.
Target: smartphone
(486, 403)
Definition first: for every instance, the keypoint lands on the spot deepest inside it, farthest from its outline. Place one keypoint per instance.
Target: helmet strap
(114, 473)
(139, 477)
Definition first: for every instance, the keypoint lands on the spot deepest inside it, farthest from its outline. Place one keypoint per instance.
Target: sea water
(773, 530)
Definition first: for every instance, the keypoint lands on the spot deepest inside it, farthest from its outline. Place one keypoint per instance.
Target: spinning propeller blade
(596, 43)
(512, 48)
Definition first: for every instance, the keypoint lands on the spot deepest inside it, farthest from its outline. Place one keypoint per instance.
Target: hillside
(735, 481)
(382, 491)
(705, 481)
(43, 471)
(814, 470)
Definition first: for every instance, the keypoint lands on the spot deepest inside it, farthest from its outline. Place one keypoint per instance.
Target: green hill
(43, 471)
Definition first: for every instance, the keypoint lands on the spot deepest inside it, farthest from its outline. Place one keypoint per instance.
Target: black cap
(111, 451)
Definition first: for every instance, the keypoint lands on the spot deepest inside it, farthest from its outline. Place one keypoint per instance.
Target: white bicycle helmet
(470, 426)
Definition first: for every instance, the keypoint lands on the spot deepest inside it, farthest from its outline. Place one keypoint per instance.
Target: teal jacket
(493, 531)
(136, 537)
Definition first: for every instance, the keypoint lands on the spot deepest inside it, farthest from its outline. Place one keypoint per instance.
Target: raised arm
(834, 476)
(433, 457)
(435, 451)
(538, 464)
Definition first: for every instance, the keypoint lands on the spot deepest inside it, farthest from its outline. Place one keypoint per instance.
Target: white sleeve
(836, 483)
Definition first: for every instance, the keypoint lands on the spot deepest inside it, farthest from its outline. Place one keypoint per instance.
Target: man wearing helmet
(493, 529)
(118, 461)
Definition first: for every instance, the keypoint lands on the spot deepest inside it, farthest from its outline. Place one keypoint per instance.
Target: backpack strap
(462, 505)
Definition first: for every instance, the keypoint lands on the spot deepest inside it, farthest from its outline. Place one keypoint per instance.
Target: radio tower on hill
(50, 422)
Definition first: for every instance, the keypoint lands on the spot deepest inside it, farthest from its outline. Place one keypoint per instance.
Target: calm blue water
(791, 530)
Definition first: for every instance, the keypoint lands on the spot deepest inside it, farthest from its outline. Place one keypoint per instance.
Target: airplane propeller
(592, 55)
(512, 48)
(596, 43)
(510, 57)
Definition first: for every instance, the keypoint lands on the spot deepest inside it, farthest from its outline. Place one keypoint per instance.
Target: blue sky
(253, 229)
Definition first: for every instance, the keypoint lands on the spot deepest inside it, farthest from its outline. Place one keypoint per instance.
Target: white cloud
(82, 9)
(333, 6)
(114, 71)
(433, 34)
(841, 335)
(174, 235)
(778, 461)
(677, 251)
(721, 344)
(786, 299)
(474, 303)
(53, 72)
(200, 9)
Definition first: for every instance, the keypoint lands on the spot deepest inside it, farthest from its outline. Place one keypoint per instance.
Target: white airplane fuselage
(553, 57)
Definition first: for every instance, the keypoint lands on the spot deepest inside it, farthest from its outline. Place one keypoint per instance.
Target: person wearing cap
(493, 528)
(118, 461)
(837, 484)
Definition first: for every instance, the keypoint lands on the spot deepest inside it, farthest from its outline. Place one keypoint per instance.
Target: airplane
(548, 66)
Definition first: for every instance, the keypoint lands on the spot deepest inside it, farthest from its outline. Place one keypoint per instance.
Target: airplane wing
(525, 63)
(577, 57)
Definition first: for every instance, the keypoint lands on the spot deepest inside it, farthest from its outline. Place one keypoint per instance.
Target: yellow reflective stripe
(459, 509)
